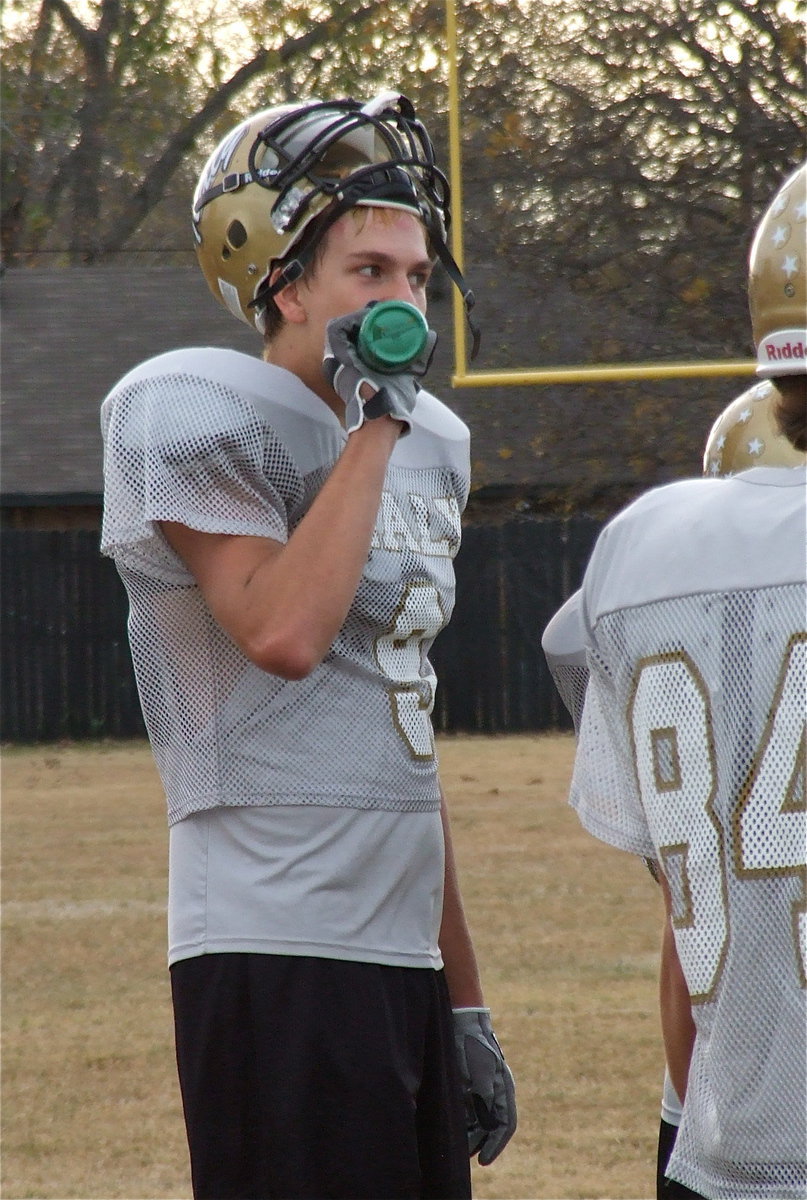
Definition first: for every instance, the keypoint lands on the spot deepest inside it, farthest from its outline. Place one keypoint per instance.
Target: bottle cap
(392, 335)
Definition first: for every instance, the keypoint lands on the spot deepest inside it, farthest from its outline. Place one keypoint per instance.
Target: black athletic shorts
(317, 1079)
(670, 1189)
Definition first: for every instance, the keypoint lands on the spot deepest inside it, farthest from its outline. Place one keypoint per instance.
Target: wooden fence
(65, 670)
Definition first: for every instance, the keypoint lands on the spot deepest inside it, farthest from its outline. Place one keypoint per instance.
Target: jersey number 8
(401, 656)
(671, 722)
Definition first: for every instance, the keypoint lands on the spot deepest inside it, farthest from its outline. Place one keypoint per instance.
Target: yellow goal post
(598, 372)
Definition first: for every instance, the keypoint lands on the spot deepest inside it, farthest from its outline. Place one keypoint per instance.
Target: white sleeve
(604, 791)
(562, 644)
(187, 449)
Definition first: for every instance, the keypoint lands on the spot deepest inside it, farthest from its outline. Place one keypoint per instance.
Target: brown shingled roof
(68, 336)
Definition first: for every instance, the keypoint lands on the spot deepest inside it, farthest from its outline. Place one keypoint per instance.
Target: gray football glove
(490, 1093)
(395, 395)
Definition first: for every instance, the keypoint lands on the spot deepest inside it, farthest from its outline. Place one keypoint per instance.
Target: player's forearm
(283, 604)
(456, 945)
(300, 598)
(677, 1026)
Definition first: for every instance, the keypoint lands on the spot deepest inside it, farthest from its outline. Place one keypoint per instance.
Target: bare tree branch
(157, 178)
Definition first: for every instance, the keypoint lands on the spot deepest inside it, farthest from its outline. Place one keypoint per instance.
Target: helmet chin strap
(455, 275)
(377, 184)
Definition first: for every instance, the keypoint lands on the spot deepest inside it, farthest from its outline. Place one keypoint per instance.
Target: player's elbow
(291, 656)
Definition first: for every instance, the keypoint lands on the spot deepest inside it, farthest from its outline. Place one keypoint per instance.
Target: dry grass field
(567, 932)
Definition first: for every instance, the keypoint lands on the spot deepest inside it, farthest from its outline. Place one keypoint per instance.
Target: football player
(745, 434)
(285, 528)
(692, 754)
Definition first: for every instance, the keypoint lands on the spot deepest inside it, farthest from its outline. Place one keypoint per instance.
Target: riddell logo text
(788, 350)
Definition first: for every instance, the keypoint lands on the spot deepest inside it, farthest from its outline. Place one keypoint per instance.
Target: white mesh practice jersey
(692, 751)
(224, 443)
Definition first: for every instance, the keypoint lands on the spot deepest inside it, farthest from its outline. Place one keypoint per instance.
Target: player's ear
(289, 301)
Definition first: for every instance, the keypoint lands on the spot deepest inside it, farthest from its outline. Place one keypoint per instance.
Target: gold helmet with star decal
(777, 281)
(746, 434)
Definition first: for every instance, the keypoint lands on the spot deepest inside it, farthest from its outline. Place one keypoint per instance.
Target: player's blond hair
(791, 408)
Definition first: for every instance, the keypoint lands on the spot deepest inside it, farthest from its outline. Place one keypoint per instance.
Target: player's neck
(286, 351)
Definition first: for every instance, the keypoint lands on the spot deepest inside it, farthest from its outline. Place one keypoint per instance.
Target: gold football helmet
(746, 435)
(274, 173)
(777, 291)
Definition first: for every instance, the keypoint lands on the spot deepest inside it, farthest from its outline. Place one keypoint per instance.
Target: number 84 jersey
(692, 752)
(228, 444)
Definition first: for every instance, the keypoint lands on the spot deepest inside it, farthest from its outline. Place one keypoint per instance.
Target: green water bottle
(392, 335)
